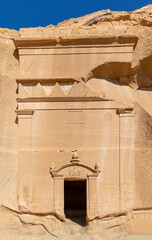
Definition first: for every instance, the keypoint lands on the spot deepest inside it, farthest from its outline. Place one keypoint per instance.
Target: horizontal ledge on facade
(61, 99)
(93, 175)
(45, 80)
(23, 42)
(57, 175)
(24, 112)
(124, 110)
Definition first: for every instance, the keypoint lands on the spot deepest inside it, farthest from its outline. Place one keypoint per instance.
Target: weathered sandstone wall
(8, 127)
(128, 83)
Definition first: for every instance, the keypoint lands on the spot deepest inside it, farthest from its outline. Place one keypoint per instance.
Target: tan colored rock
(76, 127)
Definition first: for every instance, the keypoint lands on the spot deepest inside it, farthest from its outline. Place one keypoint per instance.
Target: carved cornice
(124, 110)
(61, 99)
(92, 175)
(45, 80)
(23, 42)
(24, 112)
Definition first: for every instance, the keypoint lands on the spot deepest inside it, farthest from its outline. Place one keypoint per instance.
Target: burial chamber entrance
(75, 191)
(75, 200)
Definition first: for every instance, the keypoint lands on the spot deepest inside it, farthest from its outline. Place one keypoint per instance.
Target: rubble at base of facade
(76, 129)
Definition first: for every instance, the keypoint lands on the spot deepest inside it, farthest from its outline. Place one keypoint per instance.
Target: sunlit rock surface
(75, 106)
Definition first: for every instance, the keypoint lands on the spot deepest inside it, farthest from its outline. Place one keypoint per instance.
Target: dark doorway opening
(75, 201)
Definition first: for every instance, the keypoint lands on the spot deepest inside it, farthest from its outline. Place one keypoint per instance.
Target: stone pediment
(74, 169)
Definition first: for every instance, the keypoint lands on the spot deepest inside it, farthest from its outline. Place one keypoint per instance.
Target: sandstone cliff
(135, 79)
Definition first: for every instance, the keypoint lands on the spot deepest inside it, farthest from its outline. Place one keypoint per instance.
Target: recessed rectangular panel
(75, 117)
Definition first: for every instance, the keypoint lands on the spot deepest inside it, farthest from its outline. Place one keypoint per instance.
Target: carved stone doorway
(73, 182)
(75, 200)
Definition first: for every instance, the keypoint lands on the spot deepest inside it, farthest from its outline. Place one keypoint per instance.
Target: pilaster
(126, 159)
(25, 164)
